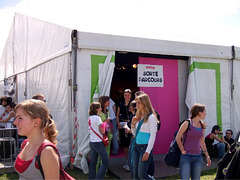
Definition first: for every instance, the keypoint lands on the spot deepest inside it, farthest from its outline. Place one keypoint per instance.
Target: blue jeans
(115, 145)
(151, 168)
(190, 164)
(98, 149)
(140, 167)
(221, 149)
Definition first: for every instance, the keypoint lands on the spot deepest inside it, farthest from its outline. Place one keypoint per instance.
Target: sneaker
(127, 168)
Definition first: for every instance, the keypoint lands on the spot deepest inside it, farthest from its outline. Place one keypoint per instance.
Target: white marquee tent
(73, 68)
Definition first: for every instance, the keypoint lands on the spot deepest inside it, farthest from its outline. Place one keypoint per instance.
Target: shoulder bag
(104, 139)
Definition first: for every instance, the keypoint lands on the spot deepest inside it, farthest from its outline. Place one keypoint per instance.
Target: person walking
(96, 144)
(190, 139)
(144, 128)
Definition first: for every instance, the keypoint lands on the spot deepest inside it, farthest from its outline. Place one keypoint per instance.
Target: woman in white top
(96, 144)
(144, 128)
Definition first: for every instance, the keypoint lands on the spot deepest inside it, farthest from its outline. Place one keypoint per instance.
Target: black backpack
(228, 166)
(172, 157)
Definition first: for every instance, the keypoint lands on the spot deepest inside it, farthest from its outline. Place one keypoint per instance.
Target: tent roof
(153, 46)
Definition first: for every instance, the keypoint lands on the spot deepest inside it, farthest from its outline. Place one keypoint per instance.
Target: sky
(214, 22)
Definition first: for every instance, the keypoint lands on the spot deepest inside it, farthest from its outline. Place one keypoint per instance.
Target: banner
(150, 75)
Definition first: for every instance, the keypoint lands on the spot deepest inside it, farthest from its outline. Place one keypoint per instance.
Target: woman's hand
(119, 126)
(108, 121)
(220, 133)
(209, 162)
(145, 156)
(184, 152)
(135, 119)
(128, 130)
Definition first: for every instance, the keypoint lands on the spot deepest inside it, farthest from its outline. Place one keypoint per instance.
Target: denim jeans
(115, 145)
(98, 149)
(130, 152)
(190, 164)
(140, 167)
(221, 149)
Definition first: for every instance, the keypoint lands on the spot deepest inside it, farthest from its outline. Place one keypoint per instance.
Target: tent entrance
(125, 75)
(168, 101)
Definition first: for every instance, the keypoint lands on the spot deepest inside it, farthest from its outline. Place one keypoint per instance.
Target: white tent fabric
(105, 77)
(51, 79)
(95, 70)
(38, 53)
(209, 84)
(32, 42)
(236, 96)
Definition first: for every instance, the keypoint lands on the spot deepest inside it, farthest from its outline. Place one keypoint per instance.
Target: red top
(22, 165)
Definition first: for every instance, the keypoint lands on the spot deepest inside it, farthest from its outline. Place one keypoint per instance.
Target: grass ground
(78, 174)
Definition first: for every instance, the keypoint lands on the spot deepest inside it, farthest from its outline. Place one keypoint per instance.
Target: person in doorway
(113, 121)
(97, 147)
(133, 110)
(216, 150)
(191, 142)
(104, 115)
(123, 117)
(144, 128)
(151, 168)
(228, 138)
(32, 120)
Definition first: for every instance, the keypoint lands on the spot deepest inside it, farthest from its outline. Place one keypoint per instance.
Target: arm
(152, 121)
(204, 149)
(117, 117)
(182, 129)
(102, 129)
(50, 163)
(114, 109)
(133, 125)
(11, 114)
(214, 136)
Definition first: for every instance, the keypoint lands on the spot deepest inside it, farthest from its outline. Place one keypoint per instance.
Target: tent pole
(232, 59)
(74, 52)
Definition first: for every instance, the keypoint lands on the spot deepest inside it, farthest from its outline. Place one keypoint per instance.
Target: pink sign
(165, 101)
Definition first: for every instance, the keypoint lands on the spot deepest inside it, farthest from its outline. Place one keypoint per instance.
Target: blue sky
(8, 3)
(199, 21)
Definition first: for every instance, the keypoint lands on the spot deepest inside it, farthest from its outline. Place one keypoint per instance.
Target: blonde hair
(38, 109)
(147, 107)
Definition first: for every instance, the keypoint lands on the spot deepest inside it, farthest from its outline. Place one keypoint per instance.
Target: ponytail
(51, 131)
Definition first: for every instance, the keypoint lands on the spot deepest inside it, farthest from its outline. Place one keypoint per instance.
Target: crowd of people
(130, 124)
(136, 122)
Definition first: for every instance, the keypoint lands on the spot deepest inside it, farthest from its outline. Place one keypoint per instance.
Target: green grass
(205, 175)
(78, 174)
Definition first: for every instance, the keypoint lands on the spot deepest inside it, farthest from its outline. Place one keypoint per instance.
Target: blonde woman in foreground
(32, 120)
